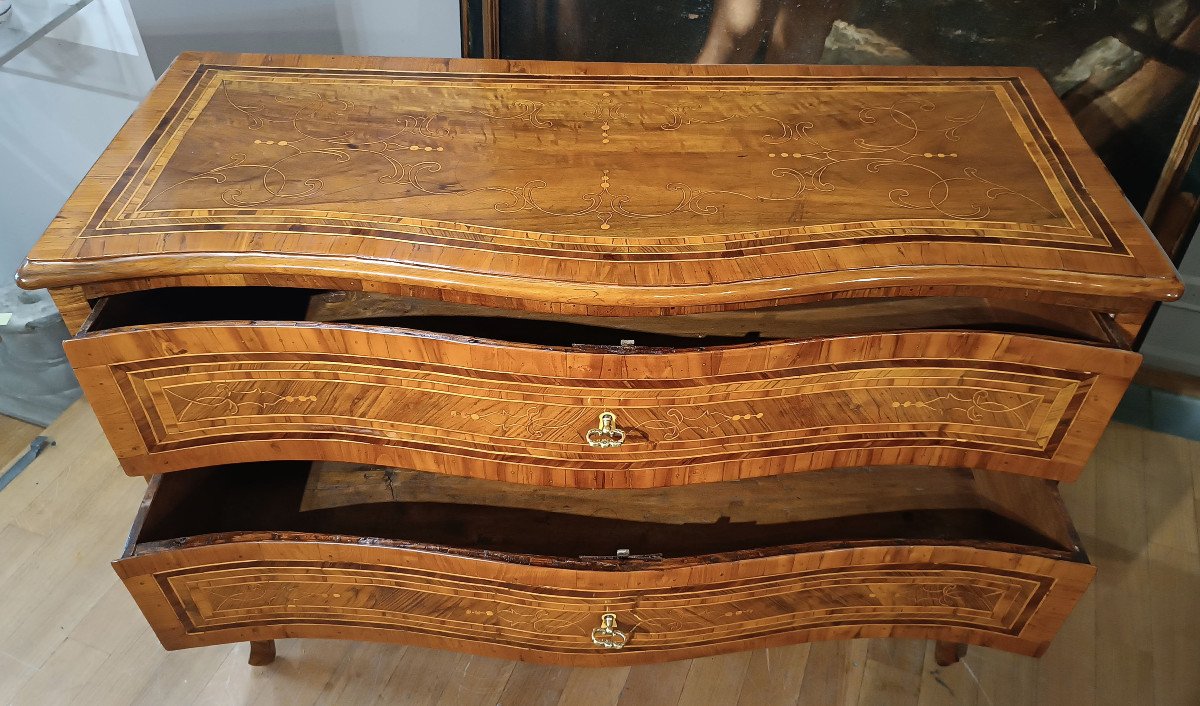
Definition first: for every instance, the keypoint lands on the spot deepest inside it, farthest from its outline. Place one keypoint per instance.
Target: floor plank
(1174, 570)
(418, 679)
(956, 685)
(654, 684)
(715, 680)
(774, 676)
(1066, 674)
(834, 673)
(15, 436)
(534, 685)
(480, 680)
(64, 676)
(1123, 641)
(601, 687)
(893, 672)
(70, 634)
(361, 675)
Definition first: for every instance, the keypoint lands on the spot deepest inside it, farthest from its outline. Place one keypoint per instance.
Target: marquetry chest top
(602, 188)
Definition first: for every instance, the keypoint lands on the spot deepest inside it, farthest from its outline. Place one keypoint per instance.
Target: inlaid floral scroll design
(605, 203)
(638, 108)
(215, 400)
(818, 157)
(366, 151)
(315, 124)
(805, 604)
(223, 400)
(333, 596)
(974, 405)
(673, 422)
(520, 110)
(526, 422)
(665, 622)
(534, 423)
(275, 594)
(538, 619)
(958, 595)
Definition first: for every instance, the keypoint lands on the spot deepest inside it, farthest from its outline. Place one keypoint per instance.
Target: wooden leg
(948, 653)
(262, 652)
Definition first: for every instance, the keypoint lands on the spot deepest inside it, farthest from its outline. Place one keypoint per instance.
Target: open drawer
(175, 389)
(223, 555)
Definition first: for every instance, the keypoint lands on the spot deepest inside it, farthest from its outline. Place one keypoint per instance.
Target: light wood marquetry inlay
(818, 565)
(221, 396)
(603, 189)
(378, 395)
(413, 148)
(276, 593)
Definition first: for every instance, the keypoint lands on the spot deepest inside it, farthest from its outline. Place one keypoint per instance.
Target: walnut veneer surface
(602, 188)
(173, 397)
(902, 299)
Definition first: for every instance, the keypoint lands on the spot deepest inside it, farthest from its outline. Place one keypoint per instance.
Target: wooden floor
(15, 436)
(69, 634)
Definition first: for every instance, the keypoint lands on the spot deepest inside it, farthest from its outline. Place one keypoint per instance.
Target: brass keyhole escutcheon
(607, 434)
(607, 635)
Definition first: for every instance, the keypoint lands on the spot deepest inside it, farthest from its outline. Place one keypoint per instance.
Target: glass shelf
(30, 20)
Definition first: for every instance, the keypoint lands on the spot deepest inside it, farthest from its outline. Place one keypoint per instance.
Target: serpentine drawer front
(658, 361)
(280, 586)
(172, 397)
(984, 588)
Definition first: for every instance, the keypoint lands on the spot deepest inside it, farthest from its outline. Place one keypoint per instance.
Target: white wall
(61, 101)
(368, 27)
(400, 27)
(49, 136)
(54, 122)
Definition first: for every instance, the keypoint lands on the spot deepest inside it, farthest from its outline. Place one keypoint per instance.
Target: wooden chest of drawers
(600, 364)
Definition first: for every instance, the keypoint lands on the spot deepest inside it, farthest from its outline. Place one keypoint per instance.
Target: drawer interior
(841, 317)
(752, 517)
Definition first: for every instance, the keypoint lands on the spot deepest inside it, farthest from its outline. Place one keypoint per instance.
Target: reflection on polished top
(561, 163)
(617, 187)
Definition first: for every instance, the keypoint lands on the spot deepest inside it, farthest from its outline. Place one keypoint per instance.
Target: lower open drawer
(355, 552)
